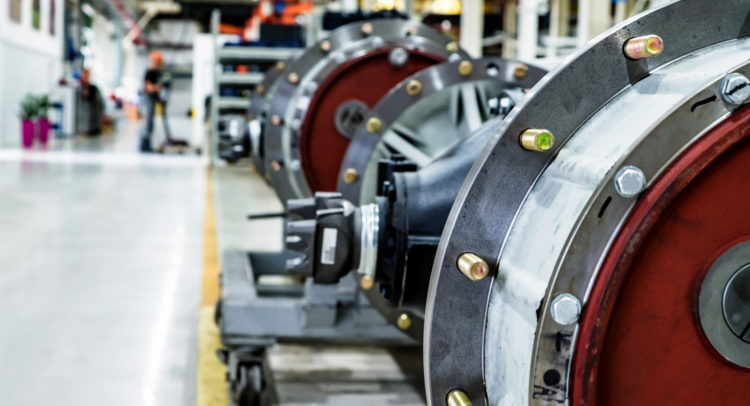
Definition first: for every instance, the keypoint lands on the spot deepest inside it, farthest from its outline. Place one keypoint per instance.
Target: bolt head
(276, 166)
(520, 71)
(452, 47)
(735, 89)
(260, 89)
(404, 321)
(280, 65)
(565, 309)
(366, 28)
(293, 78)
(366, 282)
(414, 87)
(275, 120)
(457, 397)
(537, 139)
(351, 175)
(465, 68)
(398, 57)
(325, 45)
(643, 47)
(373, 125)
(474, 267)
(629, 181)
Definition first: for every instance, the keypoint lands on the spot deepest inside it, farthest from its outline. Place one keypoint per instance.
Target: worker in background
(91, 111)
(156, 90)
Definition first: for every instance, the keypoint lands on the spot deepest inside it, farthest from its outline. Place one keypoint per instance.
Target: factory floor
(110, 260)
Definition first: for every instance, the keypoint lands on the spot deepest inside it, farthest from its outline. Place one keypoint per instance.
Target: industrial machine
(327, 92)
(587, 246)
(414, 150)
(608, 210)
(259, 303)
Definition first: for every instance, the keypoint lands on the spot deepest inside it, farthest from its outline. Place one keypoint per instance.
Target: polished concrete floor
(101, 285)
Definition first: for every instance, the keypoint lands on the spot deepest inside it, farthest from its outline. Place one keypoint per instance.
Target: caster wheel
(250, 385)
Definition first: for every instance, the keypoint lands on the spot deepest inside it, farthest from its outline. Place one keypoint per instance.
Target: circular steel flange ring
(257, 113)
(430, 81)
(317, 70)
(397, 102)
(458, 308)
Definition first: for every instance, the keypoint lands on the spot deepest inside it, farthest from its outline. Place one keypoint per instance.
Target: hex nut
(565, 309)
(735, 89)
(629, 181)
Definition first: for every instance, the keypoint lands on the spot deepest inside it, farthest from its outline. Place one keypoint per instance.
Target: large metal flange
(419, 98)
(257, 113)
(537, 223)
(423, 99)
(304, 148)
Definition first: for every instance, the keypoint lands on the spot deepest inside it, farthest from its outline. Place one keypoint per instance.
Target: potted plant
(42, 120)
(27, 114)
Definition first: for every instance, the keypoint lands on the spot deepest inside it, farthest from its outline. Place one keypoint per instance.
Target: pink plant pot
(27, 133)
(44, 126)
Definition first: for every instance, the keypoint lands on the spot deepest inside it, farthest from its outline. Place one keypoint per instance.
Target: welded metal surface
(291, 100)
(453, 353)
(422, 126)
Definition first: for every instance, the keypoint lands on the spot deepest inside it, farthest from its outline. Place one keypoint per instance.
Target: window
(36, 14)
(14, 11)
(52, 17)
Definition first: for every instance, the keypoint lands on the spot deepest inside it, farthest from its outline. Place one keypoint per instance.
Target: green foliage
(34, 106)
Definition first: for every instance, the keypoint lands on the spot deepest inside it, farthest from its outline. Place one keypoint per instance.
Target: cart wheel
(250, 385)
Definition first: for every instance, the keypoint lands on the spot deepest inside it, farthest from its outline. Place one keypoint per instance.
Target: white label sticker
(328, 248)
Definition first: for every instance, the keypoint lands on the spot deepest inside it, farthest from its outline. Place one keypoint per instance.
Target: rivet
(373, 125)
(520, 71)
(457, 397)
(260, 89)
(464, 68)
(474, 267)
(325, 45)
(565, 309)
(275, 120)
(351, 175)
(280, 65)
(293, 78)
(452, 46)
(643, 47)
(537, 139)
(366, 28)
(276, 166)
(414, 87)
(366, 282)
(404, 321)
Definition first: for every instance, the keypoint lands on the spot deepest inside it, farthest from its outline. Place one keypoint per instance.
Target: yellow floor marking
(212, 386)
